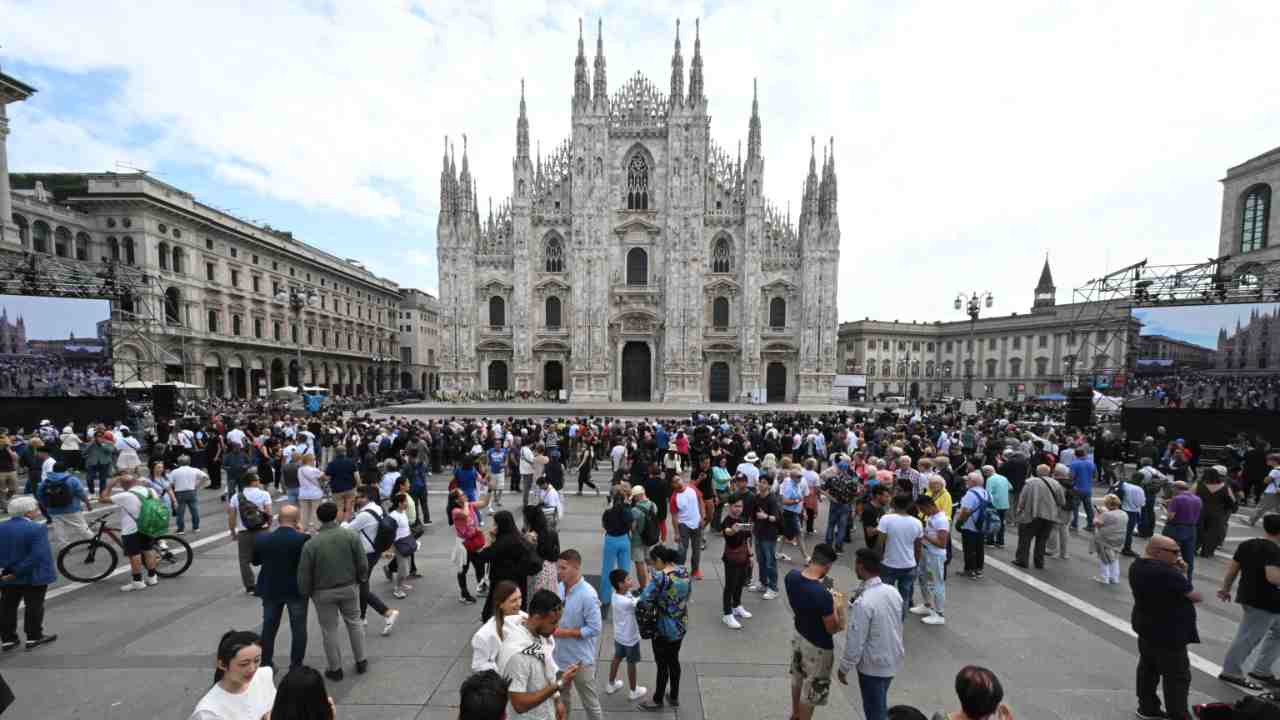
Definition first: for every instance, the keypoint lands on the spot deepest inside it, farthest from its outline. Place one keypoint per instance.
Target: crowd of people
(315, 504)
(1255, 392)
(41, 375)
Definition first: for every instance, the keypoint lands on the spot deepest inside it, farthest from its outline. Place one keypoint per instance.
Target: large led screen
(54, 347)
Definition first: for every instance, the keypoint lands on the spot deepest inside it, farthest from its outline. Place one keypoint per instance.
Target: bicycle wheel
(173, 556)
(87, 561)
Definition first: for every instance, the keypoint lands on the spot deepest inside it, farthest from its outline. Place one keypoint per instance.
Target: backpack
(985, 514)
(251, 516)
(649, 533)
(647, 618)
(57, 493)
(153, 515)
(386, 532)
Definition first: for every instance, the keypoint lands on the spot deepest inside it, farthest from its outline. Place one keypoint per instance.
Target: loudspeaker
(1080, 407)
(164, 401)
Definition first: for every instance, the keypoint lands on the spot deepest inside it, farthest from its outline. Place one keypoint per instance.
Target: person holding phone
(737, 562)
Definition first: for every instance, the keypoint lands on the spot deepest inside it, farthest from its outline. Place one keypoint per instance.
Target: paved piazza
(1059, 642)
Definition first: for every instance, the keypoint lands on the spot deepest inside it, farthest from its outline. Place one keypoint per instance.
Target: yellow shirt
(943, 501)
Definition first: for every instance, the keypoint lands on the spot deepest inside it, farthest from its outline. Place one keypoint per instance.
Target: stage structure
(1143, 285)
(137, 303)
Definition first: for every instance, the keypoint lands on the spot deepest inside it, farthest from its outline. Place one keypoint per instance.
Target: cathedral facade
(1253, 346)
(13, 336)
(639, 260)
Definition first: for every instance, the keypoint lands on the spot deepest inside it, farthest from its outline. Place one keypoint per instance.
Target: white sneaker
(152, 580)
(921, 610)
(1101, 580)
(638, 693)
(613, 687)
(732, 622)
(784, 556)
(755, 587)
(770, 594)
(934, 619)
(133, 585)
(741, 612)
(392, 616)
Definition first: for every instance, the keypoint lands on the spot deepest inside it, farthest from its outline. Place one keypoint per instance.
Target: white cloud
(970, 138)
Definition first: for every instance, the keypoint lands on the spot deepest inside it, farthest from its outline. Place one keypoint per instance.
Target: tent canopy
(1052, 396)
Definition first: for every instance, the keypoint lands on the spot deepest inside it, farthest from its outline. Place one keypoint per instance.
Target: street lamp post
(298, 299)
(972, 304)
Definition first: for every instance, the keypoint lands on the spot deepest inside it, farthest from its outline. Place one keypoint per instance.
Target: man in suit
(278, 553)
(26, 570)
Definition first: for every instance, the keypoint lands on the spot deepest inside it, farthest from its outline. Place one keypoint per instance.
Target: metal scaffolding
(1142, 285)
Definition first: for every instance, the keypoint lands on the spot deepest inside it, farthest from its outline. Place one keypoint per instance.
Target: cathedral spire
(581, 86)
(832, 194)
(601, 88)
(753, 131)
(522, 129)
(465, 199)
(695, 67)
(677, 72)
(446, 183)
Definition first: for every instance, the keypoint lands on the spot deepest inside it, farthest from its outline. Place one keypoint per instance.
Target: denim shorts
(790, 524)
(630, 653)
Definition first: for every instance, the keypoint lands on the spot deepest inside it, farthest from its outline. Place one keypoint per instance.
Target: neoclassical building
(419, 325)
(1010, 357)
(639, 259)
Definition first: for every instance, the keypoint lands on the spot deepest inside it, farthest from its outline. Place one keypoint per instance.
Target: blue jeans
(875, 696)
(904, 579)
(1085, 499)
(272, 612)
(617, 554)
(100, 473)
(767, 560)
(837, 524)
(292, 496)
(1185, 536)
(187, 499)
(1260, 629)
(1129, 527)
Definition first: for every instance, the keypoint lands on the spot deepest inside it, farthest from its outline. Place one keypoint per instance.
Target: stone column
(8, 230)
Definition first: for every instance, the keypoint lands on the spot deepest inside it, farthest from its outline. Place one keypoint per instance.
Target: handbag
(407, 545)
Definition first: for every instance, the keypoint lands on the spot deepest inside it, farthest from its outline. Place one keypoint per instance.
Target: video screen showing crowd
(1224, 357)
(54, 347)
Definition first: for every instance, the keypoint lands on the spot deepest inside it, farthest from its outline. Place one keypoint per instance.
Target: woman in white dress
(242, 690)
(310, 492)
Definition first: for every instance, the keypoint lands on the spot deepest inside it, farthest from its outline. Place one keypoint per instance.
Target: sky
(1199, 324)
(971, 139)
(50, 318)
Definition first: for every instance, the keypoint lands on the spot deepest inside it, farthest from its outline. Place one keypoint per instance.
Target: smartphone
(742, 526)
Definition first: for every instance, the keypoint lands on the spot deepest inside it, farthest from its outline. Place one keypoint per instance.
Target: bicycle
(91, 560)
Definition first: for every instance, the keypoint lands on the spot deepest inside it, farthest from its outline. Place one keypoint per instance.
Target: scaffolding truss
(1107, 302)
(137, 304)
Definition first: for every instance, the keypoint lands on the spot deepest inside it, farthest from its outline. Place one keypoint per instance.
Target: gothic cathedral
(639, 261)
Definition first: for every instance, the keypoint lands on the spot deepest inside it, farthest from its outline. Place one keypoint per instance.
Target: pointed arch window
(722, 256)
(638, 183)
(553, 252)
(1254, 220)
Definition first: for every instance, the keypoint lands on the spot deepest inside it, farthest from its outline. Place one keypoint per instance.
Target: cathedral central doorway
(553, 376)
(498, 376)
(636, 373)
(776, 382)
(719, 382)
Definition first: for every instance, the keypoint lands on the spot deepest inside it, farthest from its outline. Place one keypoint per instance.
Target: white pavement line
(124, 568)
(1207, 667)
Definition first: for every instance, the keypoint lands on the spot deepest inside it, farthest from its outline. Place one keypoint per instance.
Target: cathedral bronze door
(719, 383)
(776, 382)
(498, 376)
(636, 372)
(553, 376)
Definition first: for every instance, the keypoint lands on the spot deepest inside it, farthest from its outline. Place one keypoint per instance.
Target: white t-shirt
(185, 477)
(901, 533)
(689, 514)
(1273, 484)
(526, 460)
(625, 630)
(236, 437)
(309, 483)
(257, 496)
(616, 455)
(551, 498)
(130, 503)
(402, 523)
(47, 467)
(252, 704)
(751, 472)
(932, 525)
